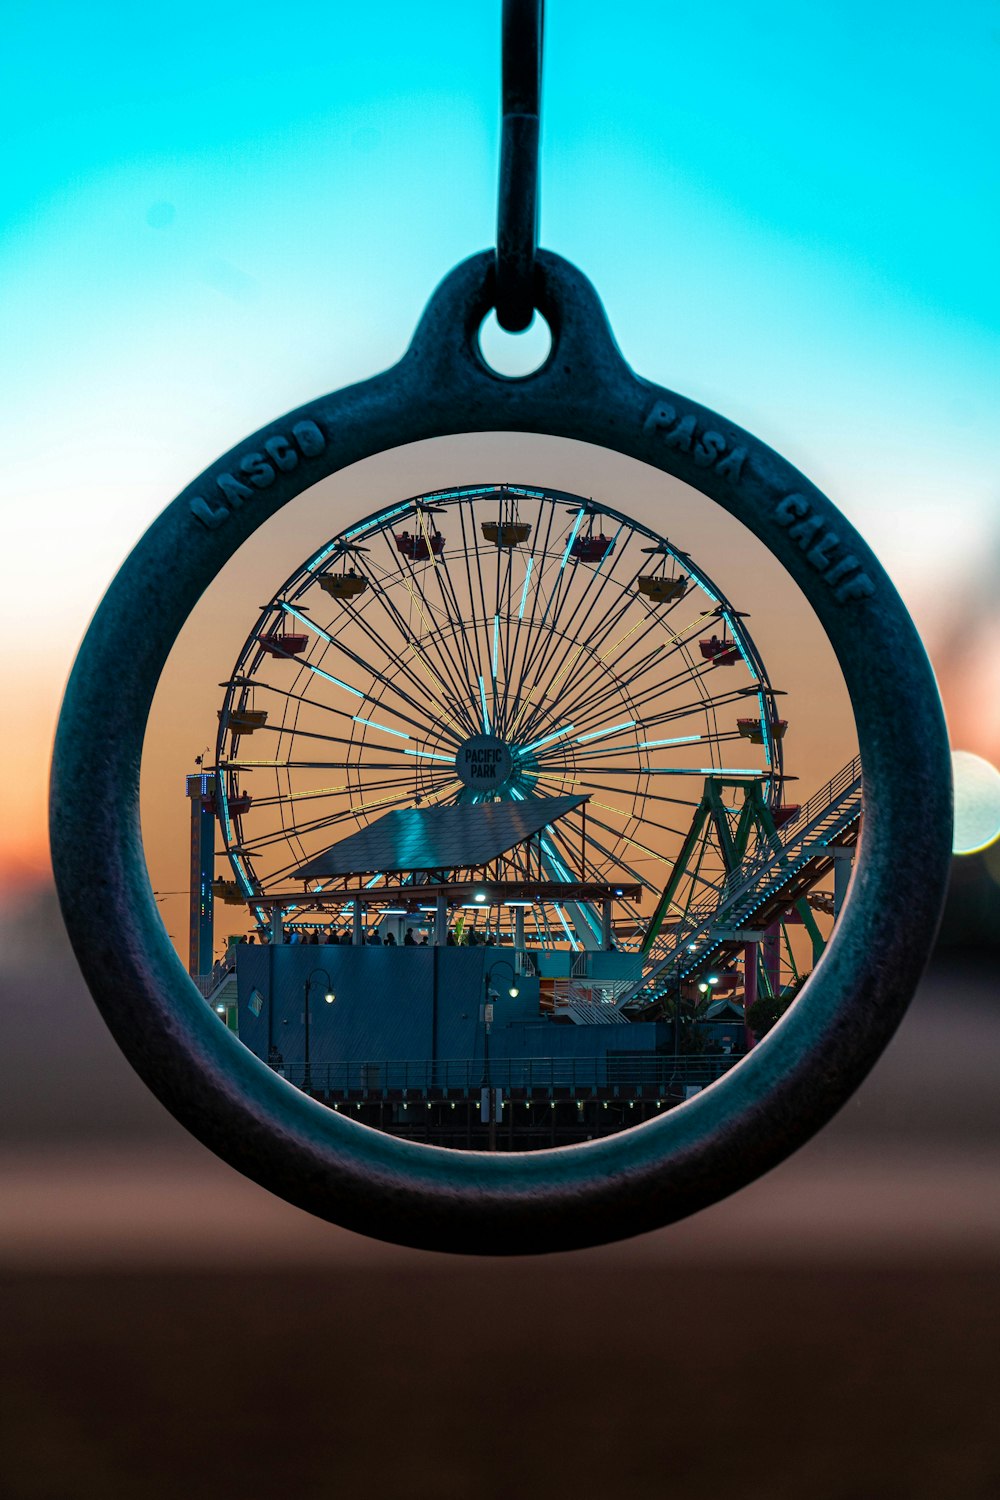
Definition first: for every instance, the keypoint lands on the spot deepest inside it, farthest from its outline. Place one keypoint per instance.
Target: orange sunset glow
(183, 722)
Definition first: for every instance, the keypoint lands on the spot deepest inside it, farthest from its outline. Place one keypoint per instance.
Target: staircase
(218, 987)
(583, 1011)
(759, 892)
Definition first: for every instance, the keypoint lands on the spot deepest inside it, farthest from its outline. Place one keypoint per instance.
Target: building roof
(438, 838)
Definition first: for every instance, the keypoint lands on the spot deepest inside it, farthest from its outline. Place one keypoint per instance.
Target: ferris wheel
(496, 642)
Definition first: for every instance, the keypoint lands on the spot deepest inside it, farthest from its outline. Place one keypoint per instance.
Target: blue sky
(791, 213)
(211, 214)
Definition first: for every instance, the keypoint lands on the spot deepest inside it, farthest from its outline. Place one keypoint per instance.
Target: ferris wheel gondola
(346, 582)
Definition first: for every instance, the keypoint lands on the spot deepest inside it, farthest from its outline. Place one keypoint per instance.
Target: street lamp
(488, 996)
(329, 997)
(513, 989)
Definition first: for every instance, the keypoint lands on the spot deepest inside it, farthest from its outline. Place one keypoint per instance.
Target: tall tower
(201, 791)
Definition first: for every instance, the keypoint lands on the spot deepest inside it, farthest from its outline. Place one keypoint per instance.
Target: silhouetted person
(409, 941)
(390, 941)
(451, 939)
(423, 940)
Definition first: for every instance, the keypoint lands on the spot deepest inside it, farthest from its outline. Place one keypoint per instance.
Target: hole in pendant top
(515, 355)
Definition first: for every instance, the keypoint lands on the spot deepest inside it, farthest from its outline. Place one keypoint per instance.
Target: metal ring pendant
(786, 1088)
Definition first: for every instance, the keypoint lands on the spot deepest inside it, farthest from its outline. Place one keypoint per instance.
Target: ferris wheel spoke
(326, 765)
(645, 822)
(636, 668)
(263, 685)
(413, 642)
(283, 801)
(500, 612)
(576, 703)
(410, 582)
(309, 765)
(509, 635)
(557, 594)
(563, 662)
(537, 566)
(602, 786)
(487, 613)
(454, 616)
(491, 624)
(391, 683)
(419, 707)
(652, 693)
(631, 839)
(537, 563)
(538, 662)
(601, 753)
(457, 615)
(618, 601)
(481, 670)
(471, 658)
(360, 745)
(576, 823)
(310, 794)
(418, 724)
(531, 678)
(347, 687)
(297, 831)
(587, 602)
(727, 698)
(745, 773)
(596, 699)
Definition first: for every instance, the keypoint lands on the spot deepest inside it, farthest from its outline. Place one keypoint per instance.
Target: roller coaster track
(759, 893)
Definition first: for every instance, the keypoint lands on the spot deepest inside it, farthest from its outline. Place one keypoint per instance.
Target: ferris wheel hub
(484, 763)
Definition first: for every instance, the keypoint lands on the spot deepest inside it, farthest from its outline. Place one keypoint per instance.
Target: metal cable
(517, 207)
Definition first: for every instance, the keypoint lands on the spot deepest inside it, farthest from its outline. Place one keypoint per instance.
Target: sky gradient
(210, 217)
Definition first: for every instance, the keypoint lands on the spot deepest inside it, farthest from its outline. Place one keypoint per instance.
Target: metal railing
(834, 808)
(525, 1075)
(590, 1005)
(221, 970)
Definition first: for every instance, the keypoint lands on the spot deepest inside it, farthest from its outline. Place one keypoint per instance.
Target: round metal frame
(788, 1086)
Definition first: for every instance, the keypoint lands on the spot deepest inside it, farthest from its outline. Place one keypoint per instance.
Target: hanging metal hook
(517, 209)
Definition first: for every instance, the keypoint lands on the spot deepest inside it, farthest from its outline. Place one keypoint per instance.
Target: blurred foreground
(522, 1380)
(171, 1329)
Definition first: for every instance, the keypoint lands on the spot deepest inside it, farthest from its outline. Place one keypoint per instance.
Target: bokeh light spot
(977, 802)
